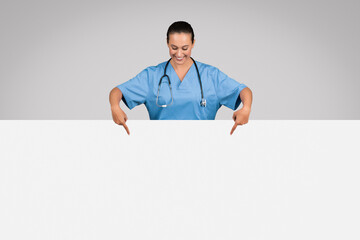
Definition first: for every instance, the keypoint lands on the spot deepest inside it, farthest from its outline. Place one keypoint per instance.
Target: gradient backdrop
(60, 59)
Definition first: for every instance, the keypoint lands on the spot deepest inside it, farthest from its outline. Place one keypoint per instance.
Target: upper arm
(135, 90)
(227, 89)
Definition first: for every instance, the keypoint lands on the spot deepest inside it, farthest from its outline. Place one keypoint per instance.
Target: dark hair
(180, 27)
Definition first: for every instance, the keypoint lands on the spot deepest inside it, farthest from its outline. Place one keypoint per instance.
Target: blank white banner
(179, 180)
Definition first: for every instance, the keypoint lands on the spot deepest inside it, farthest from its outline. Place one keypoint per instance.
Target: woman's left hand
(240, 117)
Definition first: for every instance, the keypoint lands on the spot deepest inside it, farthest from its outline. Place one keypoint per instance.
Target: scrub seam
(148, 93)
(212, 81)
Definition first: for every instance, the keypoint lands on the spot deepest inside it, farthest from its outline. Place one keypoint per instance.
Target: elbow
(115, 90)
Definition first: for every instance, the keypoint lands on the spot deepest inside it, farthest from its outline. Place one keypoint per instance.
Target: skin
(241, 116)
(118, 115)
(180, 46)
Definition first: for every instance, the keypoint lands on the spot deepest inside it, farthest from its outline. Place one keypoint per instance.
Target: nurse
(188, 90)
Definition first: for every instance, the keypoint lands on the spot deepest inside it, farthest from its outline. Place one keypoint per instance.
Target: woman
(181, 88)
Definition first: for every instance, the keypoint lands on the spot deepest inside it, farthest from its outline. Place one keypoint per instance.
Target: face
(180, 47)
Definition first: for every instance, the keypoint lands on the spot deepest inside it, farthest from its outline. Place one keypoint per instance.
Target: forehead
(179, 38)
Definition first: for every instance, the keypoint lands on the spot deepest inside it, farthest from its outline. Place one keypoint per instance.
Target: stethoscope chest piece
(203, 102)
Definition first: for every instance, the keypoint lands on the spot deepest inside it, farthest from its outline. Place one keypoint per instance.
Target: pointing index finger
(126, 128)
(233, 129)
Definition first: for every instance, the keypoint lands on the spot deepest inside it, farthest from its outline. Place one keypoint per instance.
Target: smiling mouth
(179, 59)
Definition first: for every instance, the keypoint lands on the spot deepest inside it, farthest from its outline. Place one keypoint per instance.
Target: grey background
(60, 59)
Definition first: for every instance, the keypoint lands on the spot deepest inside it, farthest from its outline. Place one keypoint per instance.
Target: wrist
(115, 106)
(246, 107)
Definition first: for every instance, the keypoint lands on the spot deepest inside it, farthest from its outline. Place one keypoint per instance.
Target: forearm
(115, 97)
(246, 97)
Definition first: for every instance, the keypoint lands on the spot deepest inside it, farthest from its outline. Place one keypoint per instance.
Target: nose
(179, 54)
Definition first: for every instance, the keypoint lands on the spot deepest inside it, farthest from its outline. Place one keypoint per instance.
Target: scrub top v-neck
(219, 89)
(180, 83)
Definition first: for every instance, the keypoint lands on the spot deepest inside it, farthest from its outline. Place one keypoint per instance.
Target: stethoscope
(203, 101)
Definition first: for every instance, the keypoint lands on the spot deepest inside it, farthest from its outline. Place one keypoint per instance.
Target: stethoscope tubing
(203, 101)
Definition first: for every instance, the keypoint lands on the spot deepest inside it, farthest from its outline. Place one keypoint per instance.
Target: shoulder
(151, 71)
(155, 68)
(206, 68)
(209, 70)
(212, 73)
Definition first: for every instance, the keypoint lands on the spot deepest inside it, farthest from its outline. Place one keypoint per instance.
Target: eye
(183, 49)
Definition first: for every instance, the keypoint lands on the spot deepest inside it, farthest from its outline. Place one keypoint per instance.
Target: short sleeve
(135, 90)
(227, 89)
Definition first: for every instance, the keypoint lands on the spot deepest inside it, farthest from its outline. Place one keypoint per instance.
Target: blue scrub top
(218, 88)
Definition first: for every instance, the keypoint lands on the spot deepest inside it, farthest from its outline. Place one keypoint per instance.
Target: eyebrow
(176, 46)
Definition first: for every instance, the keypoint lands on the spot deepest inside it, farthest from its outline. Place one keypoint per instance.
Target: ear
(193, 43)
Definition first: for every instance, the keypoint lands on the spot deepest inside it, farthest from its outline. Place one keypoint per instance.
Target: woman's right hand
(120, 117)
